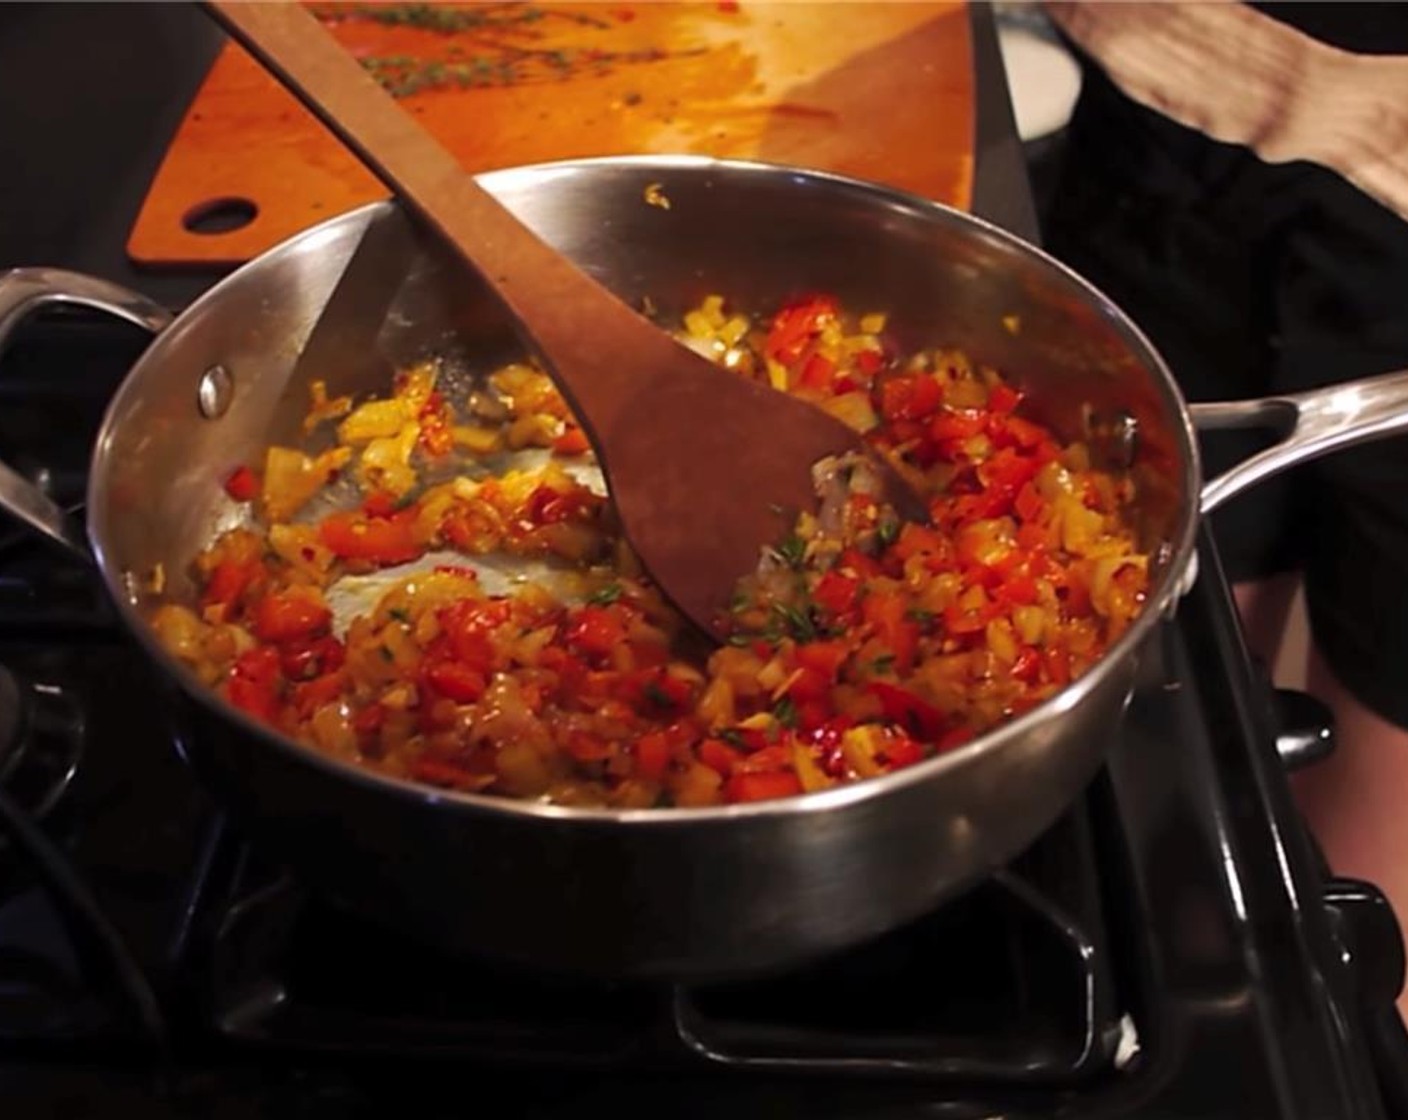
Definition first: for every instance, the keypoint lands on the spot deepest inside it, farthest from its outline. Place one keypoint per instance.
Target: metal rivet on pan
(215, 392)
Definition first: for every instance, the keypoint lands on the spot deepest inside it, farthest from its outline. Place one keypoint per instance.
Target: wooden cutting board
(881, 91)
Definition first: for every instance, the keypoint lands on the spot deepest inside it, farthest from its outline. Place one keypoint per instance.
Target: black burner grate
(1009, 984)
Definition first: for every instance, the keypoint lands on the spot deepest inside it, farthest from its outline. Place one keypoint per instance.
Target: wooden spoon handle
(560, 304)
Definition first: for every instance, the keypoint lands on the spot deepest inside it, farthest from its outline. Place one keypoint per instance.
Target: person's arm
(1241, 77)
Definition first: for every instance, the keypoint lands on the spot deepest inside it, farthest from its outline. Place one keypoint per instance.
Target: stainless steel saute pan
(666, 892)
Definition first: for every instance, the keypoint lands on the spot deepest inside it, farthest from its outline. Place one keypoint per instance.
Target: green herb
(733, 737)
(796, 621)
(607, 595)
(920, 615)
(657, 695)
(785, 712)
(792, 551)
(400, 614)
(445, 20)
(887, 532)
(742, 640)
(883, 664)
(386, 654)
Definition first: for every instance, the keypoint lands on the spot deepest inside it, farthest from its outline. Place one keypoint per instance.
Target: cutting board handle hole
(219, 215)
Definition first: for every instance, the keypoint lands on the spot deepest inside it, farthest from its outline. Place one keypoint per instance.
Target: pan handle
(1311, 424)
(23, 290)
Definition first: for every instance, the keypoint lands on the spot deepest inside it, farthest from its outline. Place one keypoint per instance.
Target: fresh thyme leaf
(605, 596)
(792, 551)
(887, 532)
(796, 621)
(733, 737)
(785, 712)
(919, 615)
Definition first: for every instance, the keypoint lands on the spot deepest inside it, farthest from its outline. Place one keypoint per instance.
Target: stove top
(1172, 947)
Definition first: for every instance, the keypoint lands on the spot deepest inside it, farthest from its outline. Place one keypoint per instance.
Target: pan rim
(853, 795)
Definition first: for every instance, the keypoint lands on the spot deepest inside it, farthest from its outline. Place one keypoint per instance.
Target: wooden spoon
(699, 461)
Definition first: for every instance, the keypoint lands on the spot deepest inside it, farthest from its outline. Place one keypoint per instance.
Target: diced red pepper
(920, 540)
(657, 692)
(762, 787)
(981, 507)
(242, 485)
(950, 740)
(456, 681)
(836, 592)
(870, 362)
(589, 748)
(910, 397)
(1029, 505)
(1019, 590)
(440, 772)
(309, 696)
(652, 752)
(1027, 667)
(294, 615)
(228, 583)
(381, 540)
(950, 426)
(854, 560)
(813, 713)
(305, 660)
(461, 570)
(380, 503)
(572, 442)
(1008, 470)
(958, 621)
(254, 681)
(774, 756)
(795, 326)
(887, 614)
(369, 720)
(1032, 535)
(817, 372)
(718, 755)
(596, 630)
(902, 751)
(825, 658)
(912, 714)
(1058, 666)
(546, 506)
(436, 437)
(1003, 398)
(811, 686)
(1029, 435)
(468, 625)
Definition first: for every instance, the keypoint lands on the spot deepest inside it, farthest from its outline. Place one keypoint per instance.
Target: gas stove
(1171, 947)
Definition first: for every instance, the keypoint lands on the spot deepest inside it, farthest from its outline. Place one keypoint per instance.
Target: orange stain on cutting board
(880, 91)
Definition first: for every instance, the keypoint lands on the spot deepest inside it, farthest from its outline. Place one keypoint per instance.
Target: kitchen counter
(94, 93)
